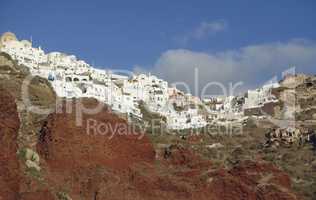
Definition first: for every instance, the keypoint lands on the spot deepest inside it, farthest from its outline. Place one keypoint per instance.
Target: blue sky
(124, 34)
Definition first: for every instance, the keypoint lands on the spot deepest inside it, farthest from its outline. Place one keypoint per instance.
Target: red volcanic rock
(184, 158)
(227, 187)
(99, 166)
(273, 192)
(63, 143)
(12, 179)
(178, 155)
(251, 180)
(253, 173)
(87, 159)
(38, 195)
(9, 165)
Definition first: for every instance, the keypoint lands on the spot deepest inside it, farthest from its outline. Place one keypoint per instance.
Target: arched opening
(76, 79)
(68, 79)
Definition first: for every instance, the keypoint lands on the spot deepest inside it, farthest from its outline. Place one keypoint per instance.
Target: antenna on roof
(31, 39)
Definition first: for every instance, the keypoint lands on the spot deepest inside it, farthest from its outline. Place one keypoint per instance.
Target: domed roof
(8, 36)
(26, 43)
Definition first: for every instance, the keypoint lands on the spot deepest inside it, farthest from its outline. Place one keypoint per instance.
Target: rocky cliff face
(85, 161)
(51, 157)
(9, 127)
(297, 96)
(93, 166)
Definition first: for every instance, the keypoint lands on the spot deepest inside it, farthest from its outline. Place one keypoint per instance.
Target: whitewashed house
(72, 77)
(24, 53)
(258, 97)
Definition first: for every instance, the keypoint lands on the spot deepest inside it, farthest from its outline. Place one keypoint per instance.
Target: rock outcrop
(9, 165)
(84, 158)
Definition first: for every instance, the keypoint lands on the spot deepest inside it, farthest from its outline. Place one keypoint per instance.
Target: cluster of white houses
(74, 78)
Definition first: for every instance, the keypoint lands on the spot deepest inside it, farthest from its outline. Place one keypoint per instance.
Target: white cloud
(203, 30)
(251, 64)
(208, 28)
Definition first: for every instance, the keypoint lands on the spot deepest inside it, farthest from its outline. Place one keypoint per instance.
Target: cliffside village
(73, 78)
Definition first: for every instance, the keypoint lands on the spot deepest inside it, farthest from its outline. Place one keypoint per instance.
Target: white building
(72, 77)
(24, 53)
(258, 97)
